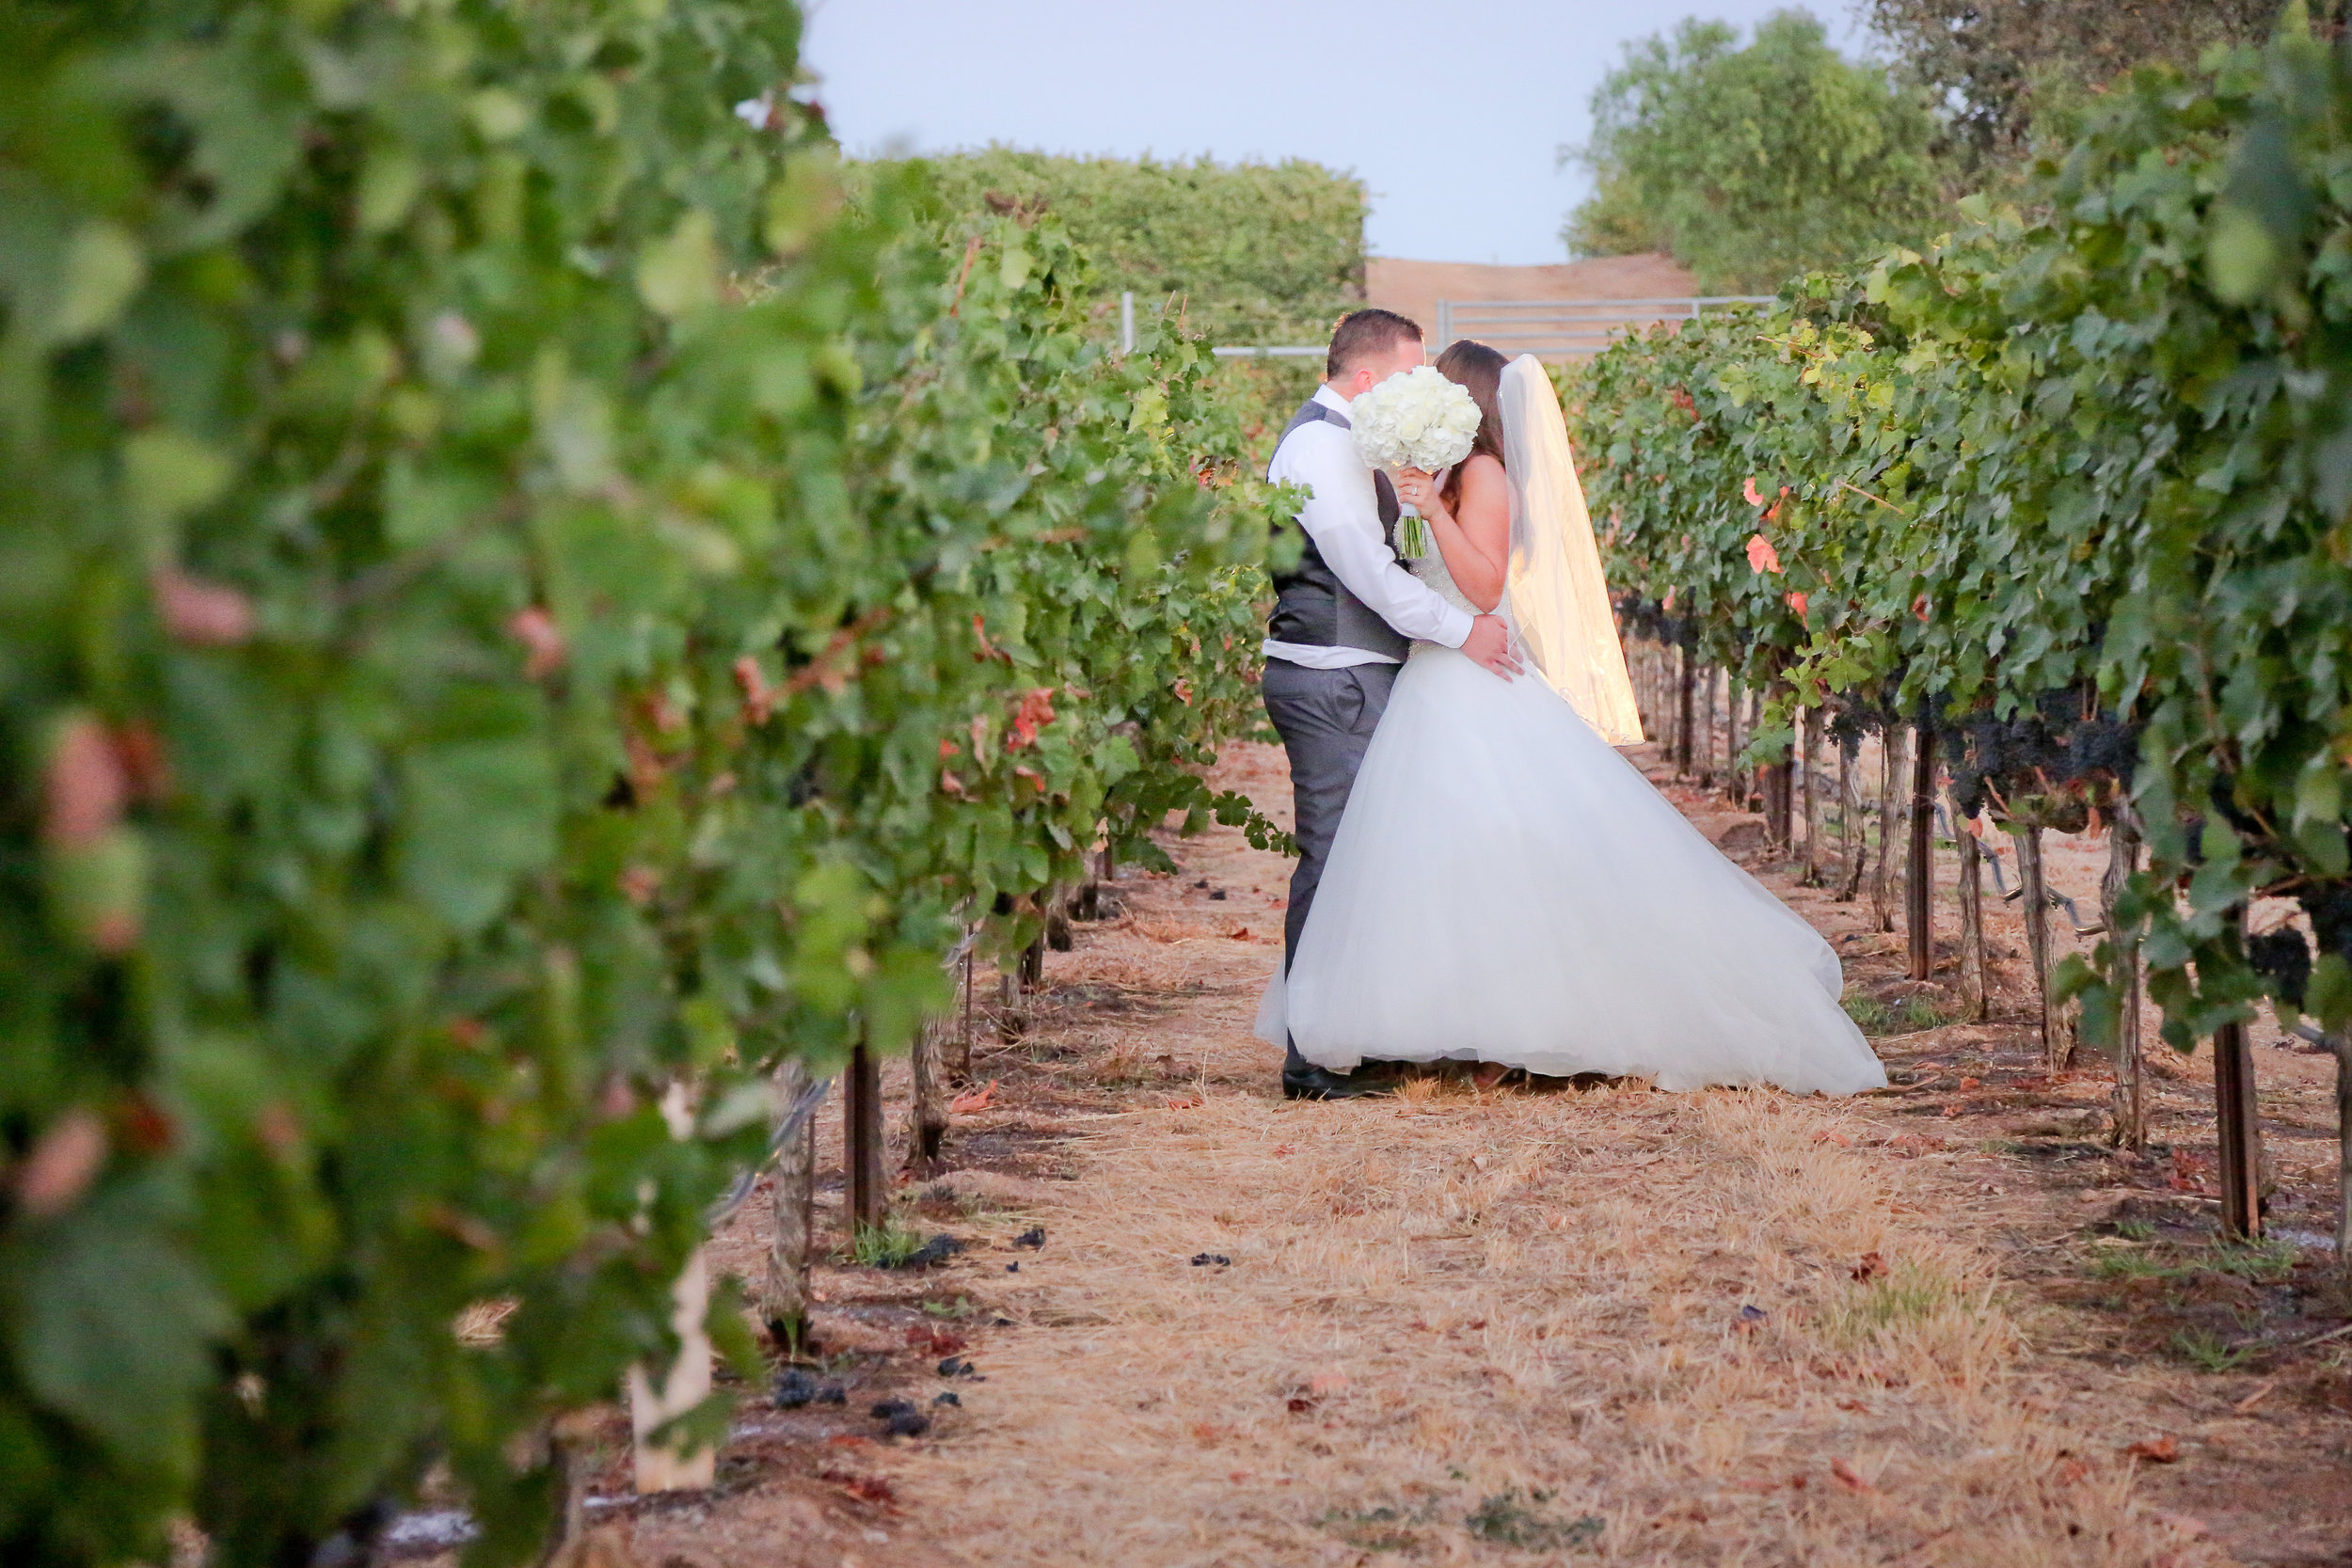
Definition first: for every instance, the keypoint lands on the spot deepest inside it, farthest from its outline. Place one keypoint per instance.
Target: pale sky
(1452, 114)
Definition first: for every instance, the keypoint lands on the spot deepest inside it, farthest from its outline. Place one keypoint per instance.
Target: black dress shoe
(1316, 1083)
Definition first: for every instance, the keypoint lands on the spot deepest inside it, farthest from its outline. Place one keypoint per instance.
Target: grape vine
(2075, 490)
(517, 597)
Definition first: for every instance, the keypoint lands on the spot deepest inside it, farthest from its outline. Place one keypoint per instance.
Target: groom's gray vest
(1311, 606)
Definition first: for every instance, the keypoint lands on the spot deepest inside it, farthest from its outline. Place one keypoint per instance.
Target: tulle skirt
(1505, 887)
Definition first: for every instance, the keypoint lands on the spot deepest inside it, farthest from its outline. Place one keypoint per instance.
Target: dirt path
(1928, 1326)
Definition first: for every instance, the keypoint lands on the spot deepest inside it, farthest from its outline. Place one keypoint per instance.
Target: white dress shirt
(1342, 517)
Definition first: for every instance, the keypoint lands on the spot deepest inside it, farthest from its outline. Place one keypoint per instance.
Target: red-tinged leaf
(1749, 491)
(145, 1126)
(1035, 713)
(86, 785)
(949, 784)
(972, 1100)
(639, 883)
(140, 750)
(277, 1127)
(758, 698)
(987, 650)
(1797, 602)
(65, 1160)
(1761, 555)
(1182, 687)
(536, 630)
(1919, 607)
(204, 614)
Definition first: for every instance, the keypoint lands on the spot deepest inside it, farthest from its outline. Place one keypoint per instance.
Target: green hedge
(1249, 253)
(2097, 464)
(508, 601)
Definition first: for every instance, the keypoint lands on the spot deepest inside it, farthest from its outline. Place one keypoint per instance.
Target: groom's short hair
(1362, 335)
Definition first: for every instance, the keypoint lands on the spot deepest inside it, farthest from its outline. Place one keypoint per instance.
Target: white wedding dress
(1505, 887)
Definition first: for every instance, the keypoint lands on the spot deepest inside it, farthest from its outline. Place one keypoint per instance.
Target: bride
(1504, 888)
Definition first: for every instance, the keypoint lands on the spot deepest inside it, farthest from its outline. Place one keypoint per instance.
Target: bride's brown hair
(1479, 368)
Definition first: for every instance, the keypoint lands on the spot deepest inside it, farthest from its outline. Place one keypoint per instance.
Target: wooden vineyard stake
(1854, 844)
(1808, 753)
(963, 1054)
(783, 1300)
(1685, 689)
(663, 1466)
(927, 1103)
(1883, 882)
(1975, 981)
(2131, 1109)
(1706, 747)
(862, 1139)
(2058, 1031)
(2241, 1134)
(2341, 1046)
(1640, 690)
(1778, 779)
(1919, 891)
(1735, 783)
(1011, 1024)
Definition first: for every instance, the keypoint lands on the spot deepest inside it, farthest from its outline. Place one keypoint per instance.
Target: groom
(1343, 621)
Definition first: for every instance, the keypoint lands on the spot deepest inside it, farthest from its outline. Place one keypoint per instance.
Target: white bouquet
(1417, 419)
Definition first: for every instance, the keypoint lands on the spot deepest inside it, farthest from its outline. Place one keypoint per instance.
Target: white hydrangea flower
(1417, 419)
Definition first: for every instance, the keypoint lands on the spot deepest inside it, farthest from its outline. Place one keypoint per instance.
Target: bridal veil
(1559, 599)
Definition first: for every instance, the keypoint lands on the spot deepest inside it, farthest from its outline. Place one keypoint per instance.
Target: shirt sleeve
(1342, 517)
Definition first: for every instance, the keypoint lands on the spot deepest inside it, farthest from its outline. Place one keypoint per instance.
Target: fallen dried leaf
(866, 1489)
(1848, 1476)
(2156, 1450)
(971, 1100)
(1871, 1266)
(933, 1341)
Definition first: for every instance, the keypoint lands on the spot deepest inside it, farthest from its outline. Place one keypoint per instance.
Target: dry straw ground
(1938, 1326)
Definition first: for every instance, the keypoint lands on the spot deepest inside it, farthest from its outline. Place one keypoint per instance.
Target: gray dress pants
(1326, 719)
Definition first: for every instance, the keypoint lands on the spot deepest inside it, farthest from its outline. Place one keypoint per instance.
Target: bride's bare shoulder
(1483, 478)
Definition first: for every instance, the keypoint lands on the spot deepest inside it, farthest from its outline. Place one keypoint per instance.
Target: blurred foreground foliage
(514, 598)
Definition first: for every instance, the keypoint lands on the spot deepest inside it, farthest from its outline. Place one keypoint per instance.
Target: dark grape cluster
(2283, 958)
(2065, 744)
(1652, 622)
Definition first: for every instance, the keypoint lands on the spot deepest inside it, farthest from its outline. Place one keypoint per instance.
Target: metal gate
(1565, 329)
